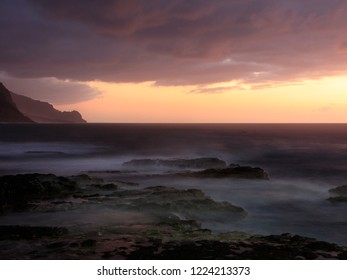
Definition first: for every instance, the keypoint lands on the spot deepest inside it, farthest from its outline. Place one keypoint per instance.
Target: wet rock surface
(28, 232)
(339, 194)
(17, 192)
(105, 220)
(241, 172)
(274, 247)
(172, 240)
(188, 204)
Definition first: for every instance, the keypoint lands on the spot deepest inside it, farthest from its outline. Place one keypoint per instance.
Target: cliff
(9, 112)
(15, 108)
(44, 112)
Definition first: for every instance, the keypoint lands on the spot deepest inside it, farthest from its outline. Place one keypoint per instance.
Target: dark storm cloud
(174, 42)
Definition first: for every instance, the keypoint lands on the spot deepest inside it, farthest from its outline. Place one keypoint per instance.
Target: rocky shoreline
(135, 222)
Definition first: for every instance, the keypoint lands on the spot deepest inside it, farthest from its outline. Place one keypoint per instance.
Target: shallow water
(303, 162)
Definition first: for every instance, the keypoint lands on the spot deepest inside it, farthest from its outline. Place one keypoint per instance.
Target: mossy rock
(17, 191)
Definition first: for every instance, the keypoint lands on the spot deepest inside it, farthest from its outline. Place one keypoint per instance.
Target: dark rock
(242, 172)
(274, 247)
(340, 194)
(197, 163)
(88, 243)
(136, 163)
(127, 183)
(106, 187)
(337, 199)
(341, 190)
(85, 179)
(28, 232)
(57, 245)
(184, 225)
(59, 202)
(18, 191)
(86, 195)
(321, 246)
(104, 171)
(190, 204)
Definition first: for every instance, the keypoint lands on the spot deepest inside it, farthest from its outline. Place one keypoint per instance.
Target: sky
(225, 61)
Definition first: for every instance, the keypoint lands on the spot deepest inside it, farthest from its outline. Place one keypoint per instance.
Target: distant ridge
(9, 112)
(15, 108)
(44, 112)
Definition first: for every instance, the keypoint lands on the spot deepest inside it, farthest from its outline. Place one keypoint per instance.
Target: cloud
(50, 89)
(209, 90)
(178, 42)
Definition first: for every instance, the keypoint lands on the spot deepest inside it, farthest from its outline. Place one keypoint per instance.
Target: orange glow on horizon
(319, 101)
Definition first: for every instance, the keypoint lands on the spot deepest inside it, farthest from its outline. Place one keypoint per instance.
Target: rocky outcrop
(240, 172)
(17, 192)
(186, 204)
(9, 113)
(44, 112)
(222, 247)
(177, 240)
(29, 232)
(195, 163)
(22, 192)
(170, 226)
(340, 191)
(339, 194)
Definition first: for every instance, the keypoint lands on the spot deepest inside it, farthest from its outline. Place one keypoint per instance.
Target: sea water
(303, 161)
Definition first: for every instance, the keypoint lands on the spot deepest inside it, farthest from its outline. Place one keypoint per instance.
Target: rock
(141, 163)
(127, 183)
(85, 179)
(337, 199)
(273, 247)
(341, 190)
(242, 172)
(106, 187)
(340, 194)
(187, 204)
(88, 243)
(86, 196)
(197, 163)
(18, 191)
(28, 232)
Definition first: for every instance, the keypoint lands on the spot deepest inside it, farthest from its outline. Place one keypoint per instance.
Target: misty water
(303, 163)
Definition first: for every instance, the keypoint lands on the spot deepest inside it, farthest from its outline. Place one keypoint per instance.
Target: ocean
(303, 161)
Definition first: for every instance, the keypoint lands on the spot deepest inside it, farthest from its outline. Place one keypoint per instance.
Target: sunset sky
(179, 61)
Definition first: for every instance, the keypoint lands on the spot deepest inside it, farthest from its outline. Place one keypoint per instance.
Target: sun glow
(321, 100)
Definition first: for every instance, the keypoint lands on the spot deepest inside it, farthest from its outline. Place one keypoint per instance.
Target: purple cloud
(176, 42)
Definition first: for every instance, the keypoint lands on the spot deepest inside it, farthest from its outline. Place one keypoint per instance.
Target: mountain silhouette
(9, 113)
(15, 108)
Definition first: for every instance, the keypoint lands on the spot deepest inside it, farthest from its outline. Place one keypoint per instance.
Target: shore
(106, 215)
